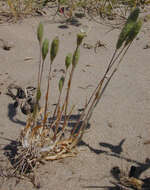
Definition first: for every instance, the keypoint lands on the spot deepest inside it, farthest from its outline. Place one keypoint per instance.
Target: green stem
(41, 73)
(68, 90)
(98, 92)
(46, 96)
(94, 92)
(40, 63)
(59, 98)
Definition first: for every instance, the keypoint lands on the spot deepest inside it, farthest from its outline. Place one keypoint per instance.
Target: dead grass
(104, 9)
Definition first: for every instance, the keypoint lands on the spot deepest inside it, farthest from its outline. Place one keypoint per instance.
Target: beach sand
(120, 123)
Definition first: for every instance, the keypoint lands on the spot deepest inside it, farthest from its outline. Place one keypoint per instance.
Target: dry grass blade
(12, 8)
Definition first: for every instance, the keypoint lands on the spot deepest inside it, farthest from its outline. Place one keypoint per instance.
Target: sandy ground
(121, 122)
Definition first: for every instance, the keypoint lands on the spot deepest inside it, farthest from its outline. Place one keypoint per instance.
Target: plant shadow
(135, 172)
(114, 148)
(136, 168)
(11, 149)
(69, 22)
(72, 122)
(103, 187)
(12, 112)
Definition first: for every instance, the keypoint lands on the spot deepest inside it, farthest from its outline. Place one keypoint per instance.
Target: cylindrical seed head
(61, 83)
(134, 15)
(54, 48)
(127, 27)
(68, 60)
(76, 57)
(45, 48)
(40, 31)
(134, 32)
(124, 33)
(80, 38)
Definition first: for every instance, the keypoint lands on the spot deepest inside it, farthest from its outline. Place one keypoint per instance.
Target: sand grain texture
(120, 123)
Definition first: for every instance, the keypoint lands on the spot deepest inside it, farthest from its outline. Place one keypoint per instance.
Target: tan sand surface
(121, 122)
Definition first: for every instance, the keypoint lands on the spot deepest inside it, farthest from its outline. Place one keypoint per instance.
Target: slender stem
(68, 90)
(110, 63)
(104, 88)
(90, 111)
(94, 92)
(65, 123)
(57, 106)
(98, 92)
(123, 55)
(41, 73)
(38, 85)
(59, 98)
(40, 63)
(59, 114)
(107, 70)
(47, 93)
(114, 60)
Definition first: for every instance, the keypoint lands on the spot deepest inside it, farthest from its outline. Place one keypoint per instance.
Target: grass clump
(48, 139)
(17, 9)
(106, 9)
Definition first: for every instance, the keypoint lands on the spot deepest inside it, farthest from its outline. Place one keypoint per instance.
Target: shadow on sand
(136, 168)
(12, 112)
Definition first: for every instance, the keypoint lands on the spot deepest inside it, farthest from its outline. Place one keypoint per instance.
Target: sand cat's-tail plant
(74, 60)
(41, 137)
(47, 138)
(126, 37)
(43, 53)
(53, 53)
(68, 62)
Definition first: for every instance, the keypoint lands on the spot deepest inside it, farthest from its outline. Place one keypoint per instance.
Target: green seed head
(124, 33)
(68, 60)
(45, 48)
(127, 27)
(76, 57)
(134, 32)
(80, 38)
(54, 48)
(61, 83)
(134, 15)
(40, 31)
